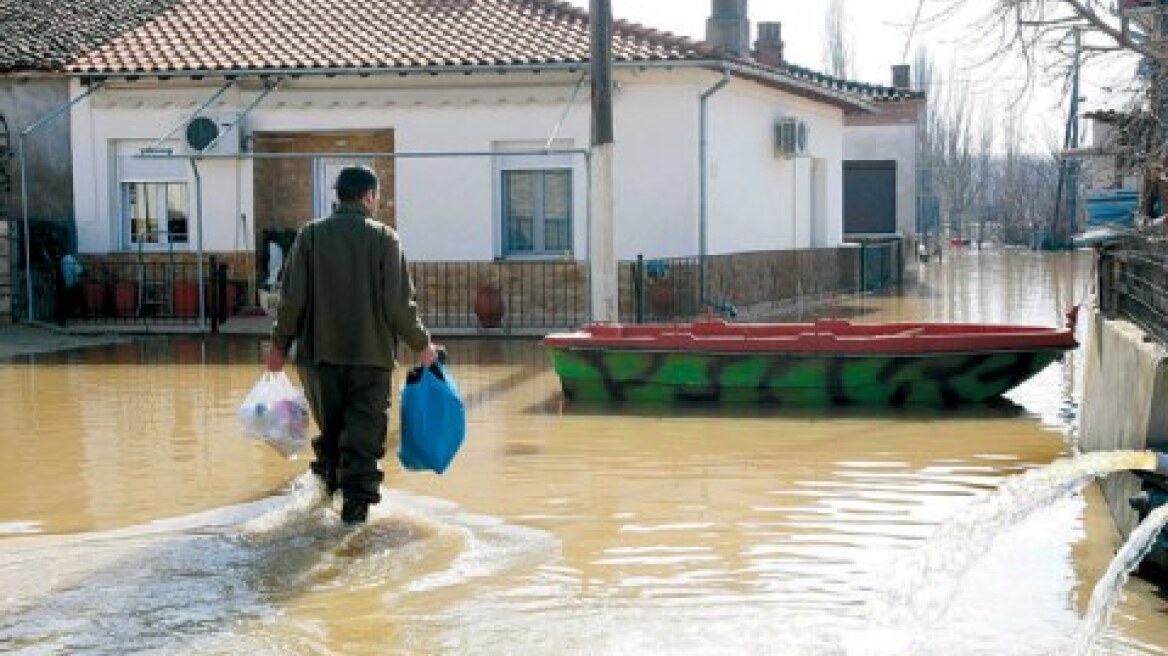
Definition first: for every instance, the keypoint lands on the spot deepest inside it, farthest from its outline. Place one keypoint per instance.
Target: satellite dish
(201, 132)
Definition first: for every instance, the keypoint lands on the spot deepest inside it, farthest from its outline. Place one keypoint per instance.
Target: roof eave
(845, 101)
(361, 71)
(850, 103)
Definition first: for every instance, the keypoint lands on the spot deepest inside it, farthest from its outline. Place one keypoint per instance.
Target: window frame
(161, 199)
(539, 248)
(127, 169)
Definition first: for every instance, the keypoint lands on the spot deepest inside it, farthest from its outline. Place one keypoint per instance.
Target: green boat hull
(793, 379)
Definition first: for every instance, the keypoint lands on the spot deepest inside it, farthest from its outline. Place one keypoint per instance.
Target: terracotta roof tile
(44, 35)
(165, 37)
(258, 35)
(874, 92)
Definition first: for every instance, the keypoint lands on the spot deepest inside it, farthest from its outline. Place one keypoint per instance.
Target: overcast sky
(879, 31)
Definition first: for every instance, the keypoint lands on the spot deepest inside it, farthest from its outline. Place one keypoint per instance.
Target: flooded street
(136, 518)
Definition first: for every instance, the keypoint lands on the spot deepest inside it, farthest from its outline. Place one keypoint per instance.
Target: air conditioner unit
(213, 133)
(790, 137)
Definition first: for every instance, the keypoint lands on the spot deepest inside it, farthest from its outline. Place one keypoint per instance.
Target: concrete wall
(1125, 403)
(449, 209)
(756, 282)
(23, 101)
(890, 142)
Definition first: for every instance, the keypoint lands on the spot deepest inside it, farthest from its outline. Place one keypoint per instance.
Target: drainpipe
(703, 183)
(24, 186)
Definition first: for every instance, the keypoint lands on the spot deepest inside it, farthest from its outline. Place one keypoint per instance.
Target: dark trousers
(351, 407)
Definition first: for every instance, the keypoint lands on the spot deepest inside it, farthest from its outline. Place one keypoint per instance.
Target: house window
(156, 213)
(537, 211)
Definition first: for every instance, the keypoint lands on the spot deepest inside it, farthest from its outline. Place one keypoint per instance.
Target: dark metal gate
(869, 197)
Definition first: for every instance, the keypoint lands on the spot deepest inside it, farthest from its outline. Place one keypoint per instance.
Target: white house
(476, 115)
(444, 185)
(881, 162)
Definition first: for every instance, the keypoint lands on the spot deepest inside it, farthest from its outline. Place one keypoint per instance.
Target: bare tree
(838, 49)
(1025, 188)
(1028, 26)
(980, 191)
(1051, 35)
(947, 151)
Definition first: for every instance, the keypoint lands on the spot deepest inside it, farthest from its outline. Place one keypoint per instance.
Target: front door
(324, 196)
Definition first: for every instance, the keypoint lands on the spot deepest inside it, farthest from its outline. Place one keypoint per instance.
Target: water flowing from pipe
(930, 576)
(1107, 591)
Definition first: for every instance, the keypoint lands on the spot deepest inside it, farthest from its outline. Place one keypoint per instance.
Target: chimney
(728, 29)
(900, 77)
(769, 47)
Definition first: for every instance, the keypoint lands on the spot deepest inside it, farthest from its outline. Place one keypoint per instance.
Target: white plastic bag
(276, 412)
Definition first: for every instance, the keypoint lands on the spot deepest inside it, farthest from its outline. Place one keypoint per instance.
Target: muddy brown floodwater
(135, 518)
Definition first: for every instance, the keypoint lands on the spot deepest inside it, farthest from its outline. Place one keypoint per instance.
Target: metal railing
(881, 264)
(501, 295)
(140, 293)
(661, 289)
(44, 288)
(1133, 284)
(536, 295)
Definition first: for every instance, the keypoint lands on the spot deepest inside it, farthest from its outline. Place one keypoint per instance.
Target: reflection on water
(138, 518)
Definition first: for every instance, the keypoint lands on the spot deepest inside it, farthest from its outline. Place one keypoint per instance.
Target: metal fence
(661, 289)
(881, 264)
(44, 288)
(482, 296)
(1133, 284)
(133, 293)
(501, 295)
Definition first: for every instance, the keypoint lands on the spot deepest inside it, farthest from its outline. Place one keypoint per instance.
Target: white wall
(656, 167)
(109, 120)
(448, 209)
(895, 142)
(762, 202)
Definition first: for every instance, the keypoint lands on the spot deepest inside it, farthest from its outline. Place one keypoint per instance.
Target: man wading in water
(346, 294)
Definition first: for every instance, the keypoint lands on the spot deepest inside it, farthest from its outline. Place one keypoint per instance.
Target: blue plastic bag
(433, 420)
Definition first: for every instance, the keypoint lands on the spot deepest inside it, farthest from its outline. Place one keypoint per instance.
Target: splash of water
(926, 582)
(1106, 594)
(308, 498)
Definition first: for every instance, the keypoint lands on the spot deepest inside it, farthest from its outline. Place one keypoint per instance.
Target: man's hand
(429, 355)
(275, 360)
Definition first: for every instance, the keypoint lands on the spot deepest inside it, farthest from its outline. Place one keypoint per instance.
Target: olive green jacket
(346, 293)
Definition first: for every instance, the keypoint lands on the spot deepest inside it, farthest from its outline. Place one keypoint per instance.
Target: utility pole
(1067, 195)
(1075, 165)
(1160, 89)
(601, 252)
